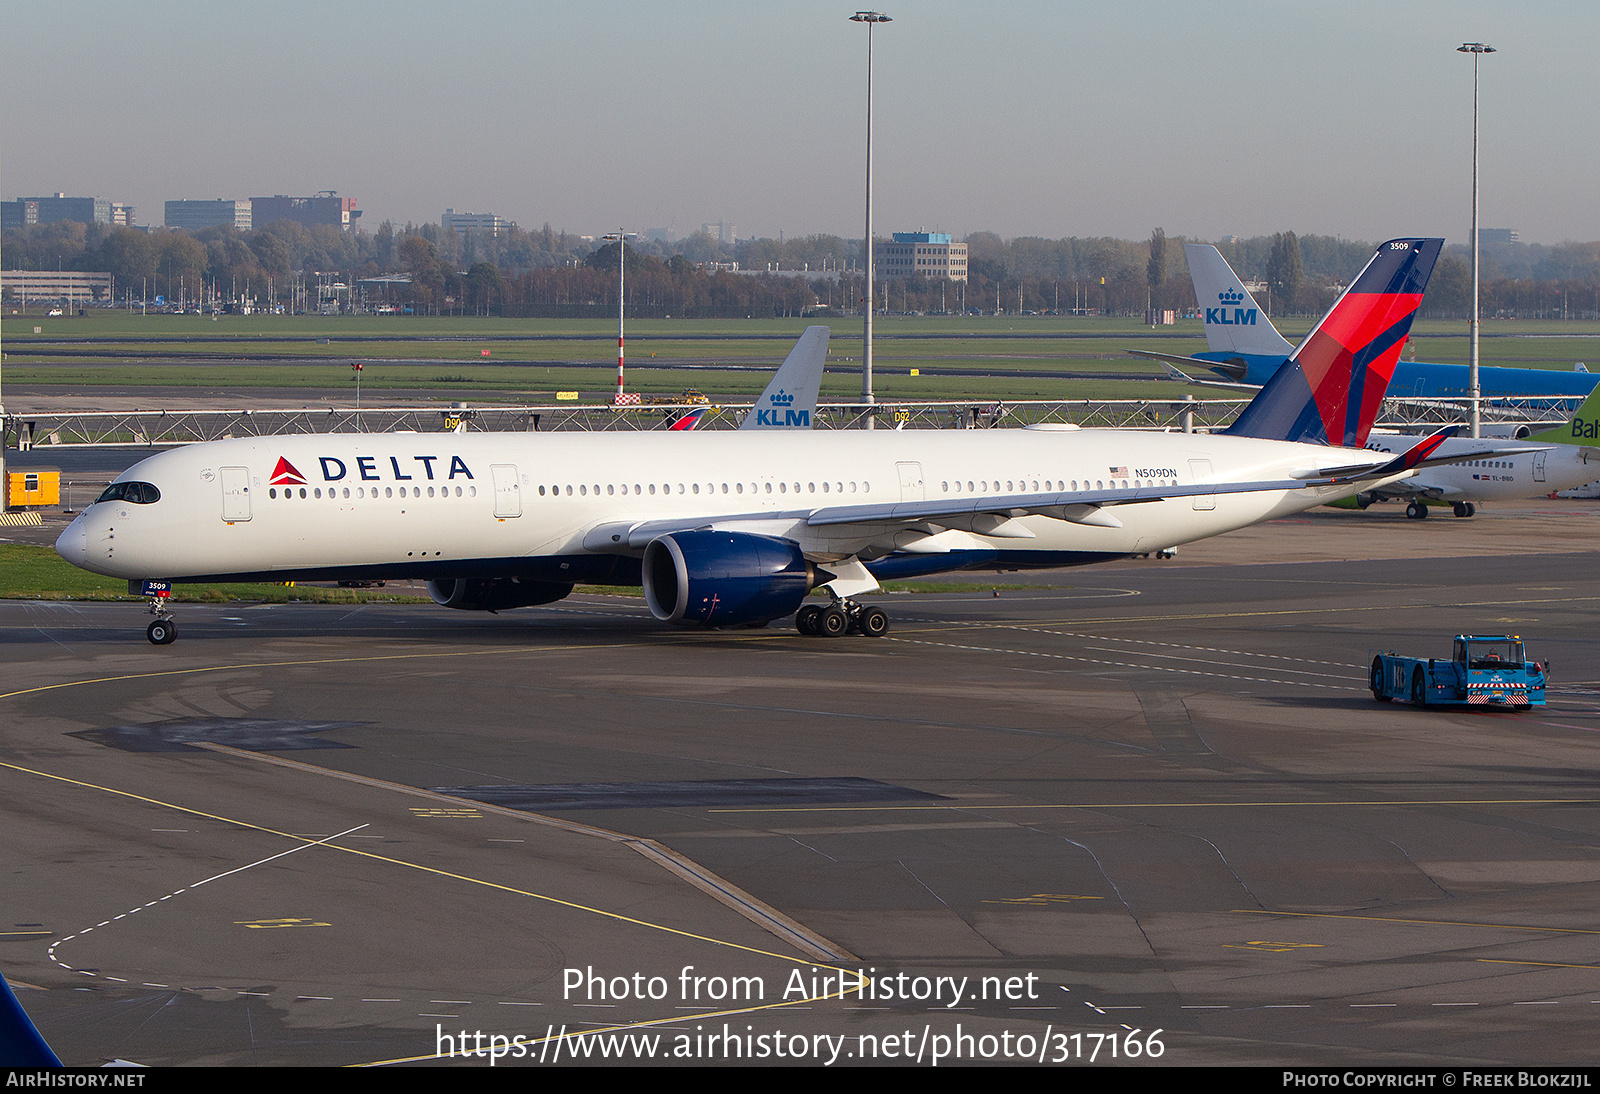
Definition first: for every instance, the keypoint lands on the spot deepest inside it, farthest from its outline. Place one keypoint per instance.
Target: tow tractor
(1483, 670)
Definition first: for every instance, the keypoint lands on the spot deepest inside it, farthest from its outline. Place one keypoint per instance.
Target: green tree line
(528, 271)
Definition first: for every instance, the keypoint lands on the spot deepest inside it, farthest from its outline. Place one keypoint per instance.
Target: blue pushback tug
(1483, 670)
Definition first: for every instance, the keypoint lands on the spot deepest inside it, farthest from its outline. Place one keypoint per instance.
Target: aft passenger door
(910, 481)
(1200, 471)
(507, 490)
(235, 494)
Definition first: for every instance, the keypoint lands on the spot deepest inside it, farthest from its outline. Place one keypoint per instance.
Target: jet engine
(719, 579)
(494, 594)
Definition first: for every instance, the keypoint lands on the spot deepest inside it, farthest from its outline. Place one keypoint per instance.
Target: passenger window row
(362, 492)
(584, 490)
(1049, 486)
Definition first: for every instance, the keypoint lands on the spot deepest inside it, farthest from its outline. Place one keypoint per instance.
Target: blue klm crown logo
(784, 416)
(1240, 317)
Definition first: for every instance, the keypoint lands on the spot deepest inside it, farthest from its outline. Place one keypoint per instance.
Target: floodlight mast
(1475, 391)
(621, 236)
(869, 18)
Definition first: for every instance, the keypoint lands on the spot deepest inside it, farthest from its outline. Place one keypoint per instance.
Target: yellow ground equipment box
(35, 486)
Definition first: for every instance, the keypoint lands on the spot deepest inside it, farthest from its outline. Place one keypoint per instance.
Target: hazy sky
(1025, 118)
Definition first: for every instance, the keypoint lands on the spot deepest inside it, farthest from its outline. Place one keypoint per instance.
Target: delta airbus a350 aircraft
(736, 528)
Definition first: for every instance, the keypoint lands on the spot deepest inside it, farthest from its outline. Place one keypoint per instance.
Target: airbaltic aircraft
(1245, 348)
(1558, 459)
(736, 528)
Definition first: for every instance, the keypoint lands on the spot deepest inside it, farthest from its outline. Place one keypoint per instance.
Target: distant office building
(59, 207)
(193, 216)
(325, 207)
(921, 254)
(121, 214)
(1499, 235)
(487, 224)
(62, 286)
(15, 215)
(722, 232)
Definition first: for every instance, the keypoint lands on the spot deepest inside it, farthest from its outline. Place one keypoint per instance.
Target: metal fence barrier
(149, 428)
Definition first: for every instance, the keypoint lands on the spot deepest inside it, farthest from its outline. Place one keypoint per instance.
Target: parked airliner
(736, 528)
(1558, 459)
(1244, 348)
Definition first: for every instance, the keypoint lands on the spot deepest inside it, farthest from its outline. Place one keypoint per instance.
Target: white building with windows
(920, 254)
(487, 224)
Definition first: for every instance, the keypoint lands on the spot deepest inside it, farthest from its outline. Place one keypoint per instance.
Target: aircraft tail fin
(1582, 429)
(1330, 391)
(1234, 323)
(790, 400)
(687, 420)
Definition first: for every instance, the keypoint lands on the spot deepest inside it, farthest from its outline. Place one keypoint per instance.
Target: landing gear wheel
(832, 622)
(805, 620)
(874, 622)
(161, 632)
(1461, 509)
(1417, 510)
(1472, 510)
(1377, 681)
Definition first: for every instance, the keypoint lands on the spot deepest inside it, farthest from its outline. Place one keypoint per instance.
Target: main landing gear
(1418, 510)
(842, 617)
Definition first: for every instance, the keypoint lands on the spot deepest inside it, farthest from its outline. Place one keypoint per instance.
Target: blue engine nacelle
(720, 579)
(494, 594)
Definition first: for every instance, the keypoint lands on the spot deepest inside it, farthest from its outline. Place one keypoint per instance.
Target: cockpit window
(140, 493)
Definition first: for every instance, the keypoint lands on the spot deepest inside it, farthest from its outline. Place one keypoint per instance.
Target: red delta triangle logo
(285, 474)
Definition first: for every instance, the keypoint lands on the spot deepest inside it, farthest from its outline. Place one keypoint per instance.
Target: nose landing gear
(165, 628)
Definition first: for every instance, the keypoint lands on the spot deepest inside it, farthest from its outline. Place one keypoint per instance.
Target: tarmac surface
(1147, 796)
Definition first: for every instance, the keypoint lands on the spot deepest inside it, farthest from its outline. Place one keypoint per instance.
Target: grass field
(37, 573)
(30, 572)
(1009, 357)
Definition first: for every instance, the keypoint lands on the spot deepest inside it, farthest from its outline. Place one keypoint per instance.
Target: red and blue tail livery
(1329, 392)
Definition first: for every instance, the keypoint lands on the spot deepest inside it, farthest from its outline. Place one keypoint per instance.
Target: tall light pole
(1477, 49)
(869, 18)
(621, 236)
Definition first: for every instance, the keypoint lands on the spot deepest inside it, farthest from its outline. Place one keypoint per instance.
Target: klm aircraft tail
(1329, 392)
(1234, 324)
(790, 400)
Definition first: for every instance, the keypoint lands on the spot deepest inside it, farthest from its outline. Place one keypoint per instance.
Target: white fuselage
(1539, 469)
(429, 502)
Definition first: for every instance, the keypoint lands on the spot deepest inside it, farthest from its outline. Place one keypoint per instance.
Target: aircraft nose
(73, 544)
